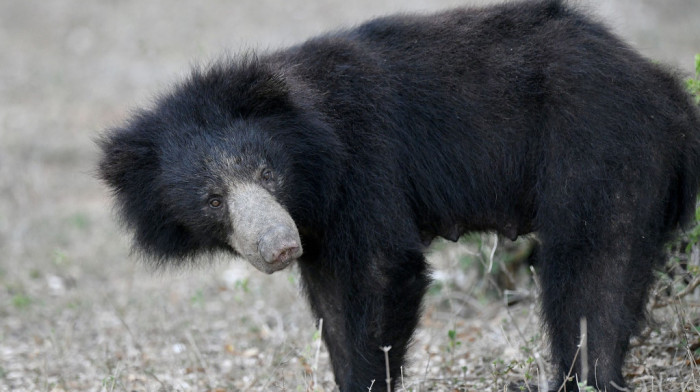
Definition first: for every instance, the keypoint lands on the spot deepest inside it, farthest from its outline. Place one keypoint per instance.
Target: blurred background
(78, 313)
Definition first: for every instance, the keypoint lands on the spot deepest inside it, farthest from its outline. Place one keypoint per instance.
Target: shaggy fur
(524, 117)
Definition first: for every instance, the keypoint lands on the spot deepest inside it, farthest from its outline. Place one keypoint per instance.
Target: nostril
(279, 245)
(285, 254)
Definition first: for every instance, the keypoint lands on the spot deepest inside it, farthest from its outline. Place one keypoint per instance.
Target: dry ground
(78, 314)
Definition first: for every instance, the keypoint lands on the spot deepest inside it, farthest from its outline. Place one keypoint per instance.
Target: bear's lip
(278, 243)
(256, 260)
(261, 265)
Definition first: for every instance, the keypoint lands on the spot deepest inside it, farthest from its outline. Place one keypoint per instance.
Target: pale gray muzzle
(263, 231)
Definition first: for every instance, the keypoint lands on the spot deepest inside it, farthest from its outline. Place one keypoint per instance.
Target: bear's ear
(246, 88)
(128, 166)
(123, 155)
(263, 94)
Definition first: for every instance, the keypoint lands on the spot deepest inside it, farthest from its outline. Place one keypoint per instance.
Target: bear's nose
(285, 254)
(279, 244)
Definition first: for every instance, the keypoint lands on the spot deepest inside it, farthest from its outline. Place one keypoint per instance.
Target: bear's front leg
(366, 303)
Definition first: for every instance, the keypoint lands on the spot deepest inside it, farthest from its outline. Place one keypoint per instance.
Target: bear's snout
(279, 245)
(263, 231)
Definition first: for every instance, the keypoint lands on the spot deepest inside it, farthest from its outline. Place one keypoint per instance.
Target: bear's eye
(215, 202)
(267, 175)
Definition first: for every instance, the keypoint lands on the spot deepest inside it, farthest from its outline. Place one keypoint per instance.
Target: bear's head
(204, 169)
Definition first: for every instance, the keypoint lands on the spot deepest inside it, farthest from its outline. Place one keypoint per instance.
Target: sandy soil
(77, 313)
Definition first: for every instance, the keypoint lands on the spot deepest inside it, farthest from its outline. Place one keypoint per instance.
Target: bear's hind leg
(607, 285)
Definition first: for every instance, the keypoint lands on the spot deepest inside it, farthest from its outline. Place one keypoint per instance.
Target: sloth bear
(350, 152)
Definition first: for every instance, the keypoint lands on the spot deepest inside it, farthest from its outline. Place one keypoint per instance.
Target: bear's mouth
(283, 259)
(279, 243)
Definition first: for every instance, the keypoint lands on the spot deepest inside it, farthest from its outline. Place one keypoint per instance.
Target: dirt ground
(77, 313)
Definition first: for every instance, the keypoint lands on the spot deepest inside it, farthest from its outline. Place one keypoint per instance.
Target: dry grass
(78, 314)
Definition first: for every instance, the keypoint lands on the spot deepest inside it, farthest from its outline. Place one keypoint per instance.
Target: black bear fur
(516, 118)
